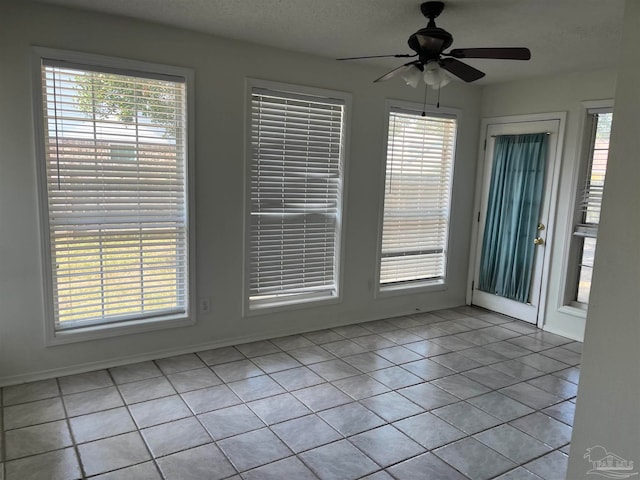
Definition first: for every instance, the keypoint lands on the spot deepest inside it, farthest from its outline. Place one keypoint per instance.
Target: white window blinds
(420, 153)
(296, 196)
(116, 182)
(590, 199)
(589, 203)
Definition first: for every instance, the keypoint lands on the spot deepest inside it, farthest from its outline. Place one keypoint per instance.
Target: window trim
(52, 336)
(303, 301)
(569, 275)
(417, 286)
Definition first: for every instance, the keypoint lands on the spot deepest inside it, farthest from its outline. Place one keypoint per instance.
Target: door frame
(555, 182)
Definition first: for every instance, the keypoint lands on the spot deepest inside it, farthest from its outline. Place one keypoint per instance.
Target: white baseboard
(170, 352)
(558, 331)
(129, 359)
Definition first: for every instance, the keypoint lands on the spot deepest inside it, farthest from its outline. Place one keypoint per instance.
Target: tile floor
(453, 394)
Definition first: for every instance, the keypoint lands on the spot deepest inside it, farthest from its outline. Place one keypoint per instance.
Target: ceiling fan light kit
(434, 76)
(433, 65)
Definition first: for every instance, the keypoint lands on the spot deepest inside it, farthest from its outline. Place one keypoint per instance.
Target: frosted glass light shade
(435, 76)
(412, 76)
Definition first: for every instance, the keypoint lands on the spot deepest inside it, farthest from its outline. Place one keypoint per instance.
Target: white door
(526, 309)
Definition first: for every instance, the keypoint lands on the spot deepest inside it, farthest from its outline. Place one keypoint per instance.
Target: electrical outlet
(205, 305)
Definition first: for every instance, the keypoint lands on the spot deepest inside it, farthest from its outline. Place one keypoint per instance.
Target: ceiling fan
(429, 44)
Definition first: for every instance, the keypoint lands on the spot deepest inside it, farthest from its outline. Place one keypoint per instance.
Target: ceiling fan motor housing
(429, 42)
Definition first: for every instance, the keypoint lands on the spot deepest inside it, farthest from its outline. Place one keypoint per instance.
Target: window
(585, 231)
(419, 166)
(114, 178)
(296, 181)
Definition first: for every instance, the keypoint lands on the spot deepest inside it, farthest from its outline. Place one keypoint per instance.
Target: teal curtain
(513, 210)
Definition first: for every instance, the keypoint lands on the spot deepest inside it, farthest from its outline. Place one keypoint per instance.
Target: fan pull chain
(438, 104)
(424, 103)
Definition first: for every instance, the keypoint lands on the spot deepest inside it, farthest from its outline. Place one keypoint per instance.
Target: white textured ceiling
(563, 35)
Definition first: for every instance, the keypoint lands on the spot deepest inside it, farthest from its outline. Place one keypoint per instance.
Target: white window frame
(303, 301)
(55, 336)
(572, 254)
(416, 286)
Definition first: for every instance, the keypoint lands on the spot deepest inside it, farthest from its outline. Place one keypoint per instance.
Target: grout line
(124, 403)
(400, 336)
(68, 423)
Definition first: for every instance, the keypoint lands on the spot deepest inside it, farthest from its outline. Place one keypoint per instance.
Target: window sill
(288, 304)
(412, 288)
(96, 332)
(574, 310)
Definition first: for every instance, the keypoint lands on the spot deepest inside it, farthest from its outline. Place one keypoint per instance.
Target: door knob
(538, 241)
(541, 226)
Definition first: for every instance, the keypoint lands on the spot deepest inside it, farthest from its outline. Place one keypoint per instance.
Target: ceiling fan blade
(396, 71)
(461, 70)
(398, 55)
(507, 53)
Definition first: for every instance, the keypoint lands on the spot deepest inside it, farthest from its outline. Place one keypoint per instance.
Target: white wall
(221, 67)
(609, 392)
(552, 94)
